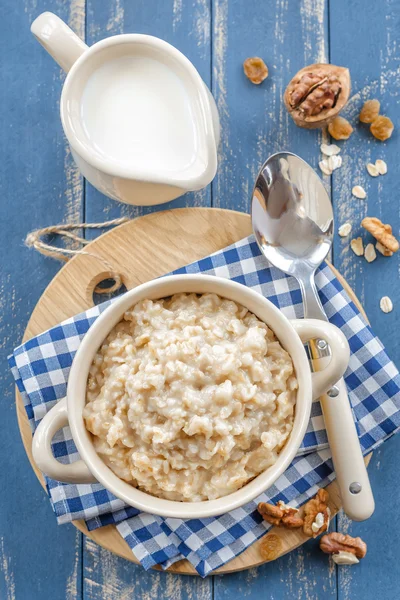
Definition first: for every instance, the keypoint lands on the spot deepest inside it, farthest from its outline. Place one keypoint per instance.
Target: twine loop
(34, 240)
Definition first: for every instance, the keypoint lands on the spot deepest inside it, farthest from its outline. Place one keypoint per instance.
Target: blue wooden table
(40, 186)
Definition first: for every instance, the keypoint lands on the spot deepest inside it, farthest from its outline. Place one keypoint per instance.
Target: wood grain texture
(367, 45)
(163, 242)
(106, 576)
(185, 24)
(254, 122)
(40, 186)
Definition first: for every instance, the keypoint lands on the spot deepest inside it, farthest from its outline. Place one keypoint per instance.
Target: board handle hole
(106, 284)
(104, 281)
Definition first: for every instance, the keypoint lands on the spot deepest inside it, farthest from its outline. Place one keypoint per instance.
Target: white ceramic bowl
(91, 468)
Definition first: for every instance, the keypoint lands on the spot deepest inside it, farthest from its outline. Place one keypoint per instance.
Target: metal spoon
(292, 220)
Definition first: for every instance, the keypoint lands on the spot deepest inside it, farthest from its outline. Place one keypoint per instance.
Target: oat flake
(325, 168)
(334, 162)
(386, 305)
(345, 558)
(344, 229)
(357, 246)
(372, 170)
(381, 166)
(359, 192)
(329, 149)
(369, 253)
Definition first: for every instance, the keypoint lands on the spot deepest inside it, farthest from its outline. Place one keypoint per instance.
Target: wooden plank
(254, 125)
(363, 39)
(377, 576)
(374, 70)
(39, 186)
(54, 189)
(254, 121)
(183, 23)
(106, 576)
(304, 574)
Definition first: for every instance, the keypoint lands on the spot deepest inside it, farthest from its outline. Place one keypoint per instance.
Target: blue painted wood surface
(41, 186)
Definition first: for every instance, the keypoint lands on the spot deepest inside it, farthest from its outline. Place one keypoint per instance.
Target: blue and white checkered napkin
(41, 367)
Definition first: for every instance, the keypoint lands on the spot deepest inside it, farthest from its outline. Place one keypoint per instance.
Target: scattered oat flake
(381, 166)
(344, 229)
(345, 558)
(369, 253)
(329, 149)
(359, 192)
(324, 166)
(372, 170)
(383, 250)
(334, 162)
(386, 305)
(357, 246)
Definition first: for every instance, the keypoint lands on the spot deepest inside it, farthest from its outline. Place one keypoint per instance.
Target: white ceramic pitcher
(130, 183)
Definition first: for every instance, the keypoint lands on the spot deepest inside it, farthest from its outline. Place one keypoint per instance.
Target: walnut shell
(317, 94)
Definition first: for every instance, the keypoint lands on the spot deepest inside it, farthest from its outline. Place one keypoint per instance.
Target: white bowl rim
(96, 335)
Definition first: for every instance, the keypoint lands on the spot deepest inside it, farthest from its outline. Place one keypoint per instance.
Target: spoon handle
(312, 305)
(351, 472)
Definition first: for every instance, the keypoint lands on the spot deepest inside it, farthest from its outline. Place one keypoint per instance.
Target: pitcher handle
(58, 39)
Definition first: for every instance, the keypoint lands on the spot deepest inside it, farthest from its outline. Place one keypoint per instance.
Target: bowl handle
(55, 419)
(308, 329)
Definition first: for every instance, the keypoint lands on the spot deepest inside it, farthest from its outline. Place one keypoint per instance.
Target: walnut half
(317, 94)
(334, 542)
(381, 232)
(280, 515)
(317, 514)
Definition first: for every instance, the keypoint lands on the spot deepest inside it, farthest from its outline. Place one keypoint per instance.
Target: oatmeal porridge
(190, 397)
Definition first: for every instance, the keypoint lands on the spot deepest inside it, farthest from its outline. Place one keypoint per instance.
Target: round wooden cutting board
(140, 250)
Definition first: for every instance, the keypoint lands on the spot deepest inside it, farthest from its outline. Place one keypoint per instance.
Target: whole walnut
(317, 94)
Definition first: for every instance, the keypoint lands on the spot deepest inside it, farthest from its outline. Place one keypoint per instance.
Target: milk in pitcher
(136, 111)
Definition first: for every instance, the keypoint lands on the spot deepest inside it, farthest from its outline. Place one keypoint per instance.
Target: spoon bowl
(292, 214)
